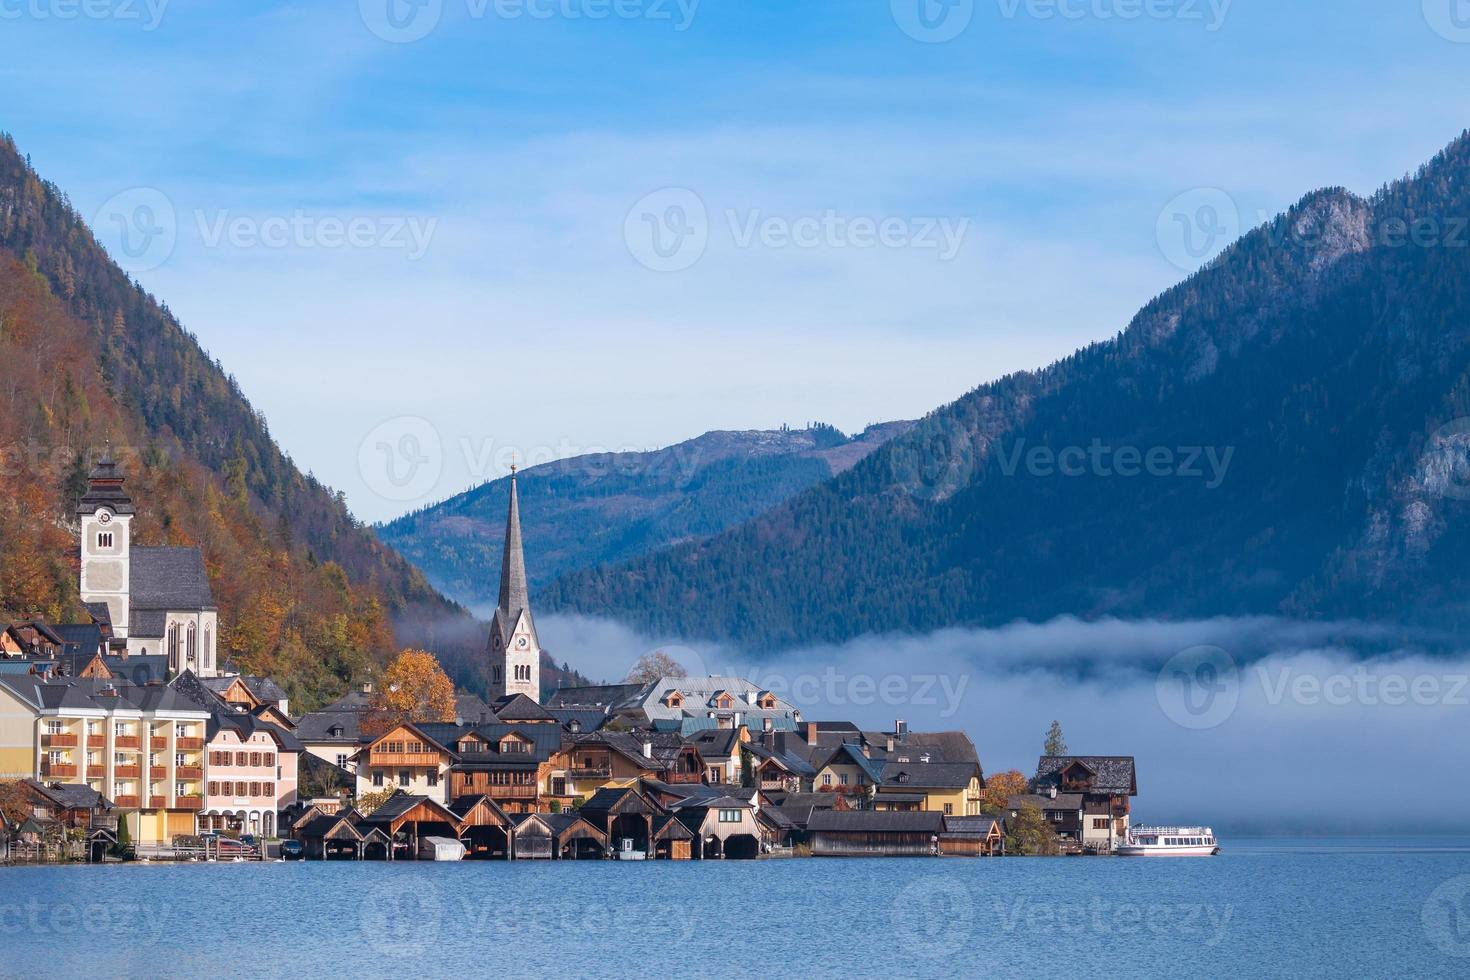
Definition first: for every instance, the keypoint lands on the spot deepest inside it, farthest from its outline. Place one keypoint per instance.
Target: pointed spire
(514, 594)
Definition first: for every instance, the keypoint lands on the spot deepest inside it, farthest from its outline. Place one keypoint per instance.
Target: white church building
(156, 600)
(515, 651)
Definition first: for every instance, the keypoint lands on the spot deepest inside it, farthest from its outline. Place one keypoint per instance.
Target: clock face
(523, 643)
(103, 517)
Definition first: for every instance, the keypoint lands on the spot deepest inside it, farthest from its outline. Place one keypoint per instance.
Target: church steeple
(514, 593)
(515, 651)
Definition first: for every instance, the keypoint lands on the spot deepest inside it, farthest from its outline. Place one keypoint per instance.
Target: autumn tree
(368, 802)
(999, 788)
(413, 688)
(1031, 834)
(1055, 743)
(15, 804)
(654, 666)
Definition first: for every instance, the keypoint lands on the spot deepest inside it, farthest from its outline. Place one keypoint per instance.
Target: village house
(1105, 782)
(404, 758)
(251, 763)
(1063, 811)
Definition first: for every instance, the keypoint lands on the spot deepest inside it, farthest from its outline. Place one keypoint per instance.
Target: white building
(157, 600)
(515, 652)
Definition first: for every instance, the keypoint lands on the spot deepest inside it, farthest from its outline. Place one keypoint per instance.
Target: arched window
(173, 645)
(192, 645)
(209, 647)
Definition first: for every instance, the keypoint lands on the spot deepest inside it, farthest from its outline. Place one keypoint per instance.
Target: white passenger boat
(1169, 842)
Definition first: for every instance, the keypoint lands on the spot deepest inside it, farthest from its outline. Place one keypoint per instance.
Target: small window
(729, 816)
(403, 777)
(826, 779)
(377, 777)
(949, 809)
(104, 539)
(341, 760)
(434, 778)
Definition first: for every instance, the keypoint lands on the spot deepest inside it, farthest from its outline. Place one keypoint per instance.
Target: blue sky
(537, 230)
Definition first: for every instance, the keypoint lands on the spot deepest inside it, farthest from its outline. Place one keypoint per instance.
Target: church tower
(515, 653)
(106, 514)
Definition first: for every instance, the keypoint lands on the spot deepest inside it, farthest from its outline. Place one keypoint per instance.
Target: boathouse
(874, 833)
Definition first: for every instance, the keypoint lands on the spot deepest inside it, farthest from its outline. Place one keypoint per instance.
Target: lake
(1374, 907)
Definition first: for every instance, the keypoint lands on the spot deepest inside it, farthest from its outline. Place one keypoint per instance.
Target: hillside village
(127, 736)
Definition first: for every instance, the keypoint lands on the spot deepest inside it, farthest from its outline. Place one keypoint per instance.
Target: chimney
(890, 743)
(647, 748)
(811, 732)
(366, 687)
(867, 754)
(901, 728)
(766, 724)
(1053, 791)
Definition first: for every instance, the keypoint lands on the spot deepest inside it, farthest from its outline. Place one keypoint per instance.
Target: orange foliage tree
(413, 688)
(1001, 787)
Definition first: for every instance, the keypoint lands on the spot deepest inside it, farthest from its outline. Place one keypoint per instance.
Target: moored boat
(1169, 842)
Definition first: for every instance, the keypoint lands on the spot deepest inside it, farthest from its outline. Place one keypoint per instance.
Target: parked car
(291, 850)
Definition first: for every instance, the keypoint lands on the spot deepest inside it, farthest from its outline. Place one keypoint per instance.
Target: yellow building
(141, 747)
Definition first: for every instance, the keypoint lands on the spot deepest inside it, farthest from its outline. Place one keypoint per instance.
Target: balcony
(188, 803)
(59, 740)
(157, 772)
(126, 801)
(63, 770)
(510, 792)
(590, 772)
(126, 772)
(189, 744)
(684, 777)
(96, 772)
(421, 760)
(189, 772)
(125, 741)
(156, 802)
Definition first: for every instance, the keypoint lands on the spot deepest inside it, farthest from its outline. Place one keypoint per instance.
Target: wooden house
(873, 833)
(558, 836)
(982, 836)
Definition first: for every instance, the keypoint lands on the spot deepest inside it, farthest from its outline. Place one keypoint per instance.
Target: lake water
(1373, 907)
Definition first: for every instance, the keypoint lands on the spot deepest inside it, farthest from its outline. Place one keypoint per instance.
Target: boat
(628, 852)
(1169, 842)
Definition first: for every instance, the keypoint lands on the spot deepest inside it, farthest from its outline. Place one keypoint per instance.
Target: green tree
(1031, 834)
(1055, 743)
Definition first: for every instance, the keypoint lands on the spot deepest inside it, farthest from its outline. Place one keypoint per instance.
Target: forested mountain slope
(1317, 359)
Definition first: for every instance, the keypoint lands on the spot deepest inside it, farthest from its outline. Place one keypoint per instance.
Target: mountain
(1320, 358)
(88, 358)
(610, 507)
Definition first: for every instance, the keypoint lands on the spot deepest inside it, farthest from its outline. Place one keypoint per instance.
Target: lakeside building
(142, 747)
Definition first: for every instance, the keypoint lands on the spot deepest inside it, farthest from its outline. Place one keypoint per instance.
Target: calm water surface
(1372, 907)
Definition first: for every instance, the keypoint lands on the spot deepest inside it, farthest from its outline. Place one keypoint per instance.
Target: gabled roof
(518, 707)
(1062, 802)
(1113, 773)
(849, 754)
(71, 796)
